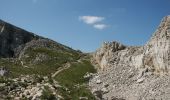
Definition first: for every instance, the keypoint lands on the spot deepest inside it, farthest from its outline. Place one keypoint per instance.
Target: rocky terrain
(36, 68)
(134, 73)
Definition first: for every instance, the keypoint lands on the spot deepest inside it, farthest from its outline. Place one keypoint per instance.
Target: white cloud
(100, 26)
(91, 19)
(94, 21)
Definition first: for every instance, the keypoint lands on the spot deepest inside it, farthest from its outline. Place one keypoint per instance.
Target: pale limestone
(135, 71)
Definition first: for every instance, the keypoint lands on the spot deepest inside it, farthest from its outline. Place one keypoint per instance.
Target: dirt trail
(66, 66)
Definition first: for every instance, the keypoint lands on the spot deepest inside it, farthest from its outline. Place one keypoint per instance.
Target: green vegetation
(14, 68)
(50, 54)
(72, 79)
(49, 60)
(75, 73)
(45, 61)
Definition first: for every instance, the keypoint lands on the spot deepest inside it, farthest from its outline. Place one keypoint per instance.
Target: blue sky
(86, 24)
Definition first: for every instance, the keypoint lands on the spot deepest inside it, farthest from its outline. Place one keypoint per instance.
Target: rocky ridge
(134, 73)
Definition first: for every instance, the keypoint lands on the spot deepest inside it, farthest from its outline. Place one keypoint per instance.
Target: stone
(126, 67)
(88, 76)
(98, 81)
(3, 71)
(105, 85)
(140, 80)
(142, 72)
(98, 94)
(2, 84)
(104, 90)
(83, 98)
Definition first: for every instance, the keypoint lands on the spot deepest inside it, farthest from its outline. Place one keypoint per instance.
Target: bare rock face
(154, 55)
(157, 50)
(105, 53)
(11, 38)
(135, 73)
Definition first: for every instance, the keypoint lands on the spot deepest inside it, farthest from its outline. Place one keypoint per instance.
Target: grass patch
(14, 68)
(72, 79)
(51, 62)
(54, 55)
(48, 64)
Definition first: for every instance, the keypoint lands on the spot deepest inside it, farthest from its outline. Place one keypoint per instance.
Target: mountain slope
(31, 50)
(11, 38)
(28, 64)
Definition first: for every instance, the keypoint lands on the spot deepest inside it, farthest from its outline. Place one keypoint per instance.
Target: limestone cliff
(157, 50)
(131, 72)
(154, 55)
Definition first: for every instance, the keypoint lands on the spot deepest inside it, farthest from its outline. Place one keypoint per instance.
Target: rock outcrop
(157, 50)
(106, 52)
(155, 54)
(135, 73)
(11, 38)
